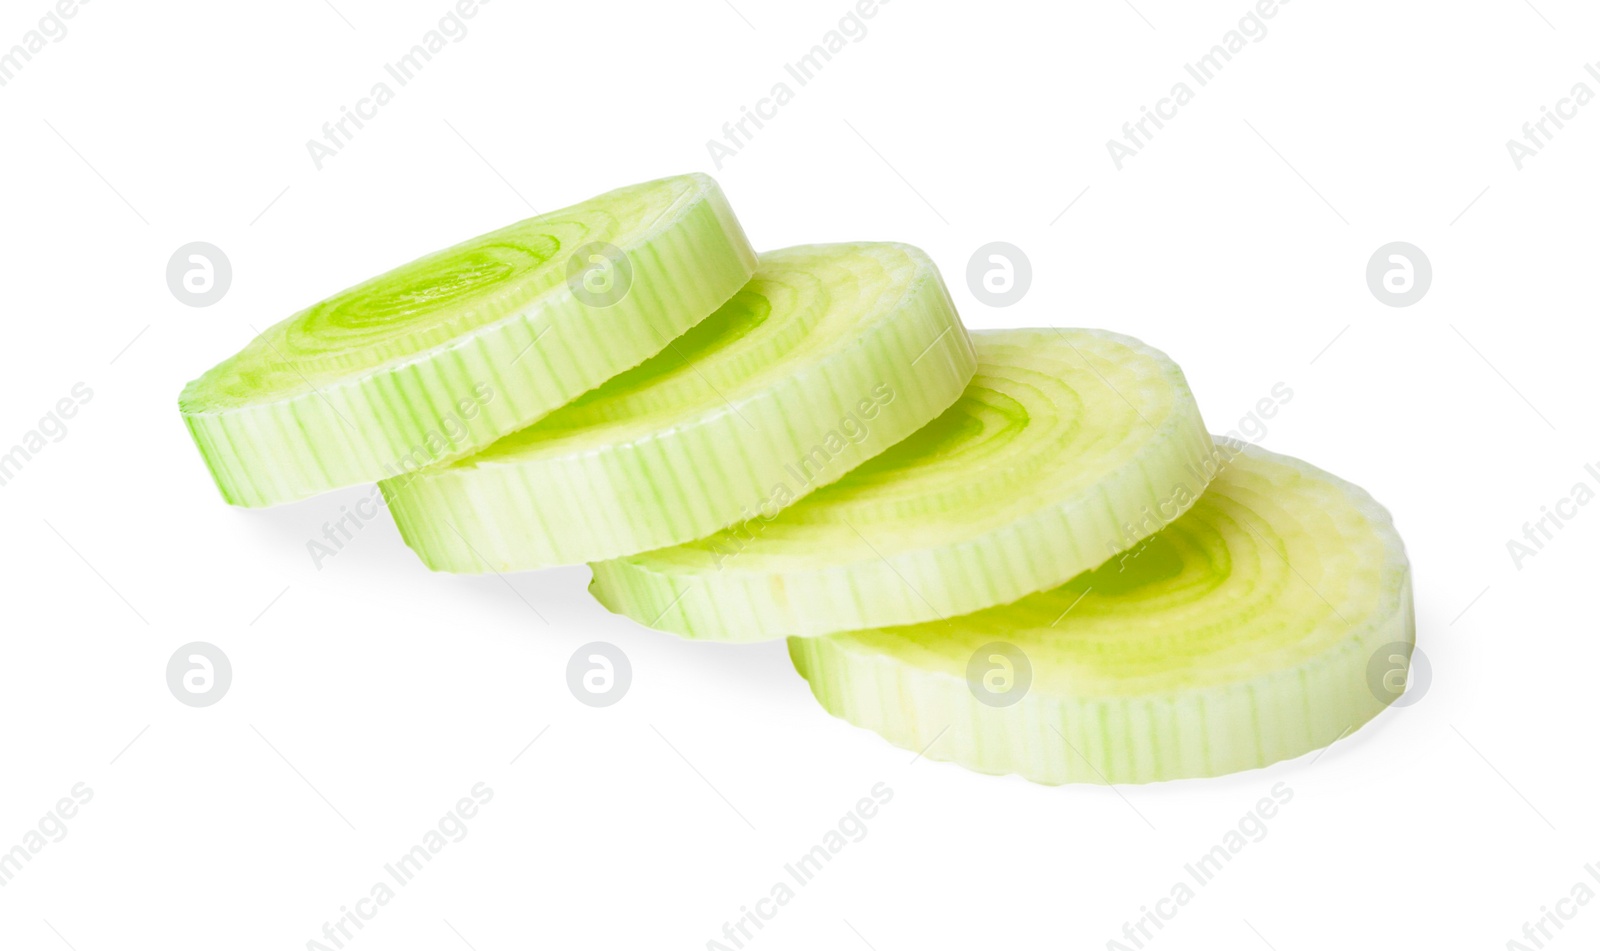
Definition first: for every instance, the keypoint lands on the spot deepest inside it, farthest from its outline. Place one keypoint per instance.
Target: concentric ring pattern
(1239, 636)
(441, 356)
(832, 354)
(1067, 447)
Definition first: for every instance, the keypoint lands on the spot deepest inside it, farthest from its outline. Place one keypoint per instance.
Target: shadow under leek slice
(1240, 635)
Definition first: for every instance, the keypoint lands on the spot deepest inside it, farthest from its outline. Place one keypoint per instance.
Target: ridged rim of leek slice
(443, 355)
(1239, 636)
(1067, 447)
(832, 354)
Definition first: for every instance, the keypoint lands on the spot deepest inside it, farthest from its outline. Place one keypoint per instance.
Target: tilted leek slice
(442, 356)
(1243, 634)
(1067, 447)
(832, 354)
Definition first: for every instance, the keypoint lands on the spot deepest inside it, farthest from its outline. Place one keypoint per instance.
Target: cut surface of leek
(832, 354)
(1067, 447)
(1241, 635)
(443, 355)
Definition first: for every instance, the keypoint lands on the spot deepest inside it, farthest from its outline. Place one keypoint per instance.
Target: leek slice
(442, 356)
(1068, 447)
(832, 354)
(1239, 636)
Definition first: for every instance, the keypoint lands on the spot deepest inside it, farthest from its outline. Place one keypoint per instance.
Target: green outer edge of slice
(455, 398)
(738, 601)
(909, 357)
(1243, 719)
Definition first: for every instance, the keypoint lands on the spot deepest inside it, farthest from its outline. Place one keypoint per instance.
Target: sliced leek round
(832, 354)
(1067, 447)
(442, 356)
(1241, 635)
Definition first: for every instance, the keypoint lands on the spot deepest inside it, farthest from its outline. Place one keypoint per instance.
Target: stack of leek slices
(1016, 550)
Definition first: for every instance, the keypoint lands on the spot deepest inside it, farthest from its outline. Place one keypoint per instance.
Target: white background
(370, 695)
